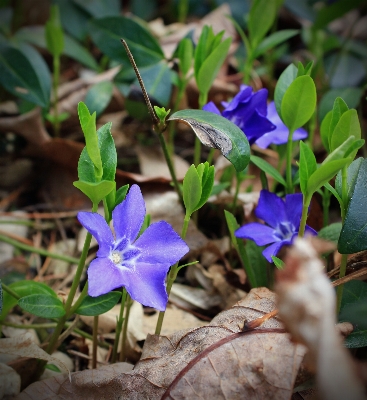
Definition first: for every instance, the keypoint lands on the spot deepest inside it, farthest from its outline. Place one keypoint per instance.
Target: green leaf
(339, 108)
(207, 183)
(351, 95)
(261, 18)
(93, 306)
(307, 165)
(191, 189)
(42, 305)
(97, 191)
(72, 48)
(354, 293)
(268, 168)
(273, 40)
(107, 32)
(284, 81)
(259, 262)
(19, 76)
(211, 65)
(330, 232)
(216, 131)
(347, 126)
(353, 237)
(98, 97)
(278, 262)
(54, 33)
(23, 288)
(108, 157)
(299, 102)
(352, 174)
(200, 50)
(240, 248)
(341, 151)
(185, 55)
(325, 129)
(324, 174)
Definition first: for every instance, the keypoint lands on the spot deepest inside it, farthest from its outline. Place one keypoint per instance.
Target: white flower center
(116, 257)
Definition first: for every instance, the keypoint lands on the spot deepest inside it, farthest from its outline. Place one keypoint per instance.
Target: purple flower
(248, 111)
(280, 134)
(283, 219)
(140, 265)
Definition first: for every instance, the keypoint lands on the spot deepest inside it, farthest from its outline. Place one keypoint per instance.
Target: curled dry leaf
(307, 305)
(263, 361)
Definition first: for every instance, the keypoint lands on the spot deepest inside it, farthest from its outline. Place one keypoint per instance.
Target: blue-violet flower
(248, 111)
(281, 133)
(140, 265)
(283, 218)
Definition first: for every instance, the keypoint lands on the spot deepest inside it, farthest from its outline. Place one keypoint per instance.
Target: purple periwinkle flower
(280, 134)
(140, 265)
(283, 218)
(248, 111)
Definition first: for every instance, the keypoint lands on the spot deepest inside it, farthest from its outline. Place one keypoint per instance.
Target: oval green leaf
(285, 79)
(299, 102)
(191, 189)
(216, 131)
(347, 126)
(353, 237)
(42, 305)
(96, 192)
(307, 165)
(23, 288)
(92, 306)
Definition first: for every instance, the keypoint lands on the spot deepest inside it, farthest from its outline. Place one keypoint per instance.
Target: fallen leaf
(267, 355)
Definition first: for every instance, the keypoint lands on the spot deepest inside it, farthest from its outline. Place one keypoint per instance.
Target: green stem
(302, 226)
(43, 252)
(171, 128)
(7, 289)
(203, 99)
(183, 7)
(129, 303)
(238, 184)
(56, 65)
(78, 302)
(210, 156)
(172, 276)
(325, 206)
(120, 320)
(170, 165)
(60, 325)
(289, 188)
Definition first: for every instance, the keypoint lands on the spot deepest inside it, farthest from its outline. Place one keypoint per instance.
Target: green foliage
(210, 54)
(185, 55)
(299, 102)
(284, 81)
(268, 168)
(54, 33)
(278, 262)
(216, 131)
(261, 18)
(273, 40)
(197, 186)
(307, 166)
(23, 288)
(97, 191)
(98, 97)
(352, 174)
(93, 306)
(330, 232)
(353, 237)
(42, 305)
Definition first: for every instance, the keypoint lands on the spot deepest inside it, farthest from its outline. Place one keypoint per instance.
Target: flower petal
(310, 231)
(293, 208)
(128, 217)
(259, 101)
(103, 276)
(211, 107)
(160, 244)
(243, 96)
(259, 233)
(273, 249)
(271, 209)
(146, 284)
(95, 224)
(256, 126)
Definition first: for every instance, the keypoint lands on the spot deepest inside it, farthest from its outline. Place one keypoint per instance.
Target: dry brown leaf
(307, 304)
(23, 346)
(164, 357)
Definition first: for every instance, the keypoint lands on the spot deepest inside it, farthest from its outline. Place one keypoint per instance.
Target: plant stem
(120, 320)
(203, 99)
(325, 206)
(171, 129)
(302, 225)
(183, 7)
(56, 76)
(83, 294)
(238, 184)
(171, 277)
(289, 188)
(95, 342)
(7, 289)
(129, 303)
(60, 325)
(43, 252)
